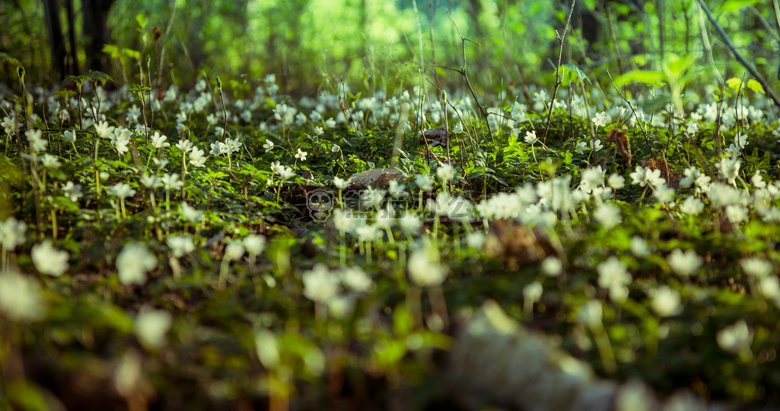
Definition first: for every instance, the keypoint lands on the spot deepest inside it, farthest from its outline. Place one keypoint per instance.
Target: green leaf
(141, 20)
(98, 76)
(654, 78)
(734, 5)
(734, 83)
(755, 86)
(572, 73)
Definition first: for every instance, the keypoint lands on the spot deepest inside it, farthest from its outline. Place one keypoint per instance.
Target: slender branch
(557, 72)
(638, 120)
(753, 72)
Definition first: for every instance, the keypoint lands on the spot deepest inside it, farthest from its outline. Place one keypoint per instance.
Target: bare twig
(753, 72)
(557, 72)
(638, 120)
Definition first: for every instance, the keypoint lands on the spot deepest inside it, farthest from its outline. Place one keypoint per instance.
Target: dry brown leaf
(378, 177)
(436, 136)
(515, 244)
(619, 137)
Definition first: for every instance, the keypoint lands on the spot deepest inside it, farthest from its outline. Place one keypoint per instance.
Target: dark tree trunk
(51, 11)
(96, 30)
(74, 59)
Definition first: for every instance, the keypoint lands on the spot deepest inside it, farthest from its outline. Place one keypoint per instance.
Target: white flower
(530, 137)
(335, 148)
(234, 250)
(20, 298)
(102, 129)
(197, 158)
(50, 161)
(301, 155)
(410, 223)
(72, 191)
(756, 267)
(595, 145)
(172, 182)
(159, 140)
(757, 181)
(533, 291)
(425, 269)
(184, 145)
(190, 213)
(684, 263)
(692, 206)
(663, 193)
(608, 215)
(318, 131)
(581, 147)
(277, 167)
(477, 239)
(180, 244)
(616, 181)
(551, 266)
(340, 183)
(735, 338)
(729, 169)
(12, 233)
(122, 190)
(268, 146)
(69, 136)
(133, 263)
(286, 173)
(691, 127)
(445, 173)
(150, 181)
(592, 177)
(356, 279)
(666, 301)
(600, 119)
(639, 247)
(319, 284)
(37, 142)
(740, 140)
(424, 182)
(613, 273)
(590, 313)
(49, 260)
(254, 244)
(151, 326)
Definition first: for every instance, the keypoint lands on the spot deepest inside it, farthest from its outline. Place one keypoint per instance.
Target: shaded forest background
(312, 44)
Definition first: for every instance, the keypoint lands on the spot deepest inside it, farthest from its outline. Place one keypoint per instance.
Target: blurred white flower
(684, 263)
(20, 298)
(356, 279)
(151, 326)
(424, 267)
(12, 233)
(729, 169)
(234, 250)
(180, 244)
(424, 182)
(190, 213)
(134, 262)
(666, 301)
(756, 267)
(197, 157)
(72, 191)
(614, 277)
(445, 173)
(268, 146)
(590, 313)
(607, 215)
(639, 247)
(600, 119)
(551, 266)
(692, 206)
(37, 142)
(340, 183)
(735, 338)
(121, 190)
(319, 284)
(254, 244)
(49, 260)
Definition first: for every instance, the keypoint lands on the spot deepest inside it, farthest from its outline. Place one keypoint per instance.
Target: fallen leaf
(378, 177)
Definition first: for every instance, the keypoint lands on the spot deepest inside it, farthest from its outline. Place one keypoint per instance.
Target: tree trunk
(51, 12)
(74, 59)
(96, 30)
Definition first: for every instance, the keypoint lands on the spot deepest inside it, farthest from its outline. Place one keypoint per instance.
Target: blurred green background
(311, 44)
